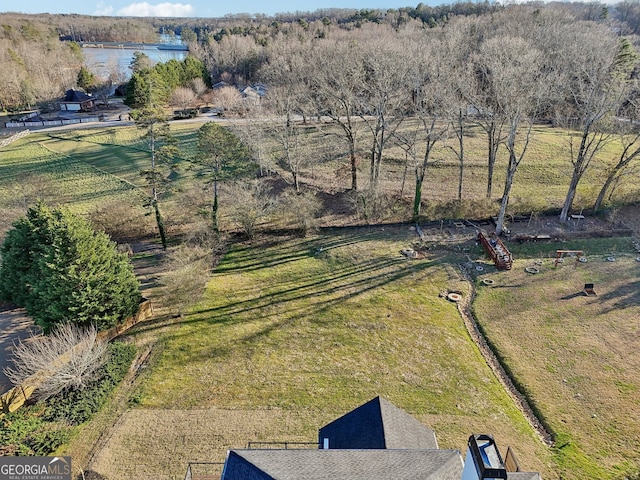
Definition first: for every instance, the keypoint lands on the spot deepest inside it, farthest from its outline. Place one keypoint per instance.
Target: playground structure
(498, 252)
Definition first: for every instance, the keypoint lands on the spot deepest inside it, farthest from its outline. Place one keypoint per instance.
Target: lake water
(97, 59)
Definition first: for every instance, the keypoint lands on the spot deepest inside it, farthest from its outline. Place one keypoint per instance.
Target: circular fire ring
(454, 297)
(582, 259)
(488, 281)
(611, 259)
(532, 270)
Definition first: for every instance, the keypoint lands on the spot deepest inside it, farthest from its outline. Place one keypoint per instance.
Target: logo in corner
(35, 468)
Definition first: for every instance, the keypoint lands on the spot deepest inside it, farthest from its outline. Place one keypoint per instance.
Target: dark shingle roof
(343, 464)
(76, 96)
(378, 424)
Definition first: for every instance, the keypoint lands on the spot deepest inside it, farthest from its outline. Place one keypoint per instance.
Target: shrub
(300, 210)
(25, 432)
(68, 359)
(78, 406)
(41, 428)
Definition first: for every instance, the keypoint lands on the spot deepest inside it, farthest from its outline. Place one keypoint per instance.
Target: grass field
(300, 331)
(295, 332)
(576, 356)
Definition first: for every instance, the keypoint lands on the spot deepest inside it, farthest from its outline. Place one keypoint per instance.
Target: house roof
(76, 96)
(378, 424)
(375, 441)
(343, 464)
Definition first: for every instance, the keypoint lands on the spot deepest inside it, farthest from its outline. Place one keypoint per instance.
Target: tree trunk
(460, 135)
(505, 196)
(296, 181)
(372, 167)
(160, 224)
(417, 199)
(404, 175)
(571, 194)
(625, 159)
(603, 192)
(492, 155)
(354, 169)
(590, 145)
(214, 208)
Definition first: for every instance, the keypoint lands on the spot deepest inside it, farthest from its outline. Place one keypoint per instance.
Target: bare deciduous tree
(335, 88)
(598, 68)
(187, 273)
(385, 96)
(66, 359)
(630, 140)
(228, 98)
(300, 210)
(429, 101)
(182, 97)
(512, 68)
(198, 86)
(253, 203)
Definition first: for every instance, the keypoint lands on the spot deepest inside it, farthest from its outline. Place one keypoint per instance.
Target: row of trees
(424, 89)
(155, 83)
(503, 73)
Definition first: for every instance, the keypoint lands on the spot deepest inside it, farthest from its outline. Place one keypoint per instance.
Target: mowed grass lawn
(577, 356)
(308, 329)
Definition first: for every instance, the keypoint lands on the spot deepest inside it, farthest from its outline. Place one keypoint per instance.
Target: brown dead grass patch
(160, 443)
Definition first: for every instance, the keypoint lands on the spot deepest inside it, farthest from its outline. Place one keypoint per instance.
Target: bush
(371, 205)
(78, 406)
(300, 210)
(40, 429)
(25, 432)
(68, 359)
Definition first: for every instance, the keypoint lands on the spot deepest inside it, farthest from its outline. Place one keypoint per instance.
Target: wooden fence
(17, 396)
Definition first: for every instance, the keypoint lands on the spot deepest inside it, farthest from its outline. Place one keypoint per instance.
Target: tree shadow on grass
(573, 295)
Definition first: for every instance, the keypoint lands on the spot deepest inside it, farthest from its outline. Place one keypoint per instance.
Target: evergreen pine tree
(72, 273)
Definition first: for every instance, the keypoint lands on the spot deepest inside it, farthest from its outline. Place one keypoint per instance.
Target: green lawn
(323, 324)
(576, 356)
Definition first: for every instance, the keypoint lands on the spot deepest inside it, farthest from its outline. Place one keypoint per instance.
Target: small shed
(77, 101)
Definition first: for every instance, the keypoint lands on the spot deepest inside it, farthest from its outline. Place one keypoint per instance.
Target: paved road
(14, 326)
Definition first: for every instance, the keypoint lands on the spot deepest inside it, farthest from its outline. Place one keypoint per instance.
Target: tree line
(419, 89)
(504, 73)
(501, 69)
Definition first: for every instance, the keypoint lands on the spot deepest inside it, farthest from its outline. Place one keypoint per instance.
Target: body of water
(99, 59)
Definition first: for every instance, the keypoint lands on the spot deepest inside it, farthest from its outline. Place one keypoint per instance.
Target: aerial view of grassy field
(293, 331)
